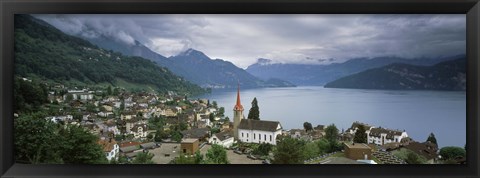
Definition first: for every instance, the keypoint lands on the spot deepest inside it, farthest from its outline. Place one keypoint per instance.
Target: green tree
(360, 135)
(331, 134)
(254, 112)
(35, 139)
(310, 150)
(177, 136)
(216, 155)
(116, 91)
(211, 117)
(109, 90)
(214, 104)
(263, 149)
(69, 98)
(289, 151)
(80, 147)
(182, 126)
(452, 152)
(431, 138)
(413, 158)
(143, 158)
(221, 112)
(307, 126)
(184, 159)
(38, 141)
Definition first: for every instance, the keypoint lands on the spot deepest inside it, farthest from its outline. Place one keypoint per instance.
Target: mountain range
(194, 66)
(448, 75)
(310, 74)
(45, 53)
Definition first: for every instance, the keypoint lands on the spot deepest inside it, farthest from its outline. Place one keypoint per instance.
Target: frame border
(10, 7)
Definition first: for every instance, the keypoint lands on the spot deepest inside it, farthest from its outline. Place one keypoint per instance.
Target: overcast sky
(242, 39)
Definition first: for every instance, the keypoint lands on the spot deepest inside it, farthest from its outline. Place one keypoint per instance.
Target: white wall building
(110, 148)
(259, 131)
(381, 136)
(224, 139)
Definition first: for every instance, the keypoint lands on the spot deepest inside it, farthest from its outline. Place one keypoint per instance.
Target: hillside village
(172, 126)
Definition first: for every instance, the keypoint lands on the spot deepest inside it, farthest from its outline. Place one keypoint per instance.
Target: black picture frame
(10, 7)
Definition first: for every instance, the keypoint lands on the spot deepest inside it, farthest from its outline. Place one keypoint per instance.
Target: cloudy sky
(242, 39)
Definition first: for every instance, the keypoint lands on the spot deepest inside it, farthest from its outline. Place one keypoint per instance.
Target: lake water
(418, 112)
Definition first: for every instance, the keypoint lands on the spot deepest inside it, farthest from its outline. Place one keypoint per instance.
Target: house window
(265, 137)
(247, 134)
(254, 136)
(242, 134)
(270, 137)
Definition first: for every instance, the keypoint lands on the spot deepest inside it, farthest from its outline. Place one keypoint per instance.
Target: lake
(418, 112)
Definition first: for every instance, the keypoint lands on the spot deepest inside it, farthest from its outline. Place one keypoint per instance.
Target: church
(253, 131)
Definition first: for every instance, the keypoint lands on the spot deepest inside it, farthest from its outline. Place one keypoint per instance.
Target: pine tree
(432, 138)
(254, 112)
(360, 135)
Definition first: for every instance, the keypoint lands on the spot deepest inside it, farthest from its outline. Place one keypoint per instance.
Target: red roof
(238, 106)
(127, 144)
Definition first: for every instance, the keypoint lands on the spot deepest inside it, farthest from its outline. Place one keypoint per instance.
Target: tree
(221, 112)
(69, 98)
(216, 155)
(263, 149)
(177, 136)
(182, 126)
(122, 105)
(109, 90)
(211, 117)
(214, 104)
(360, 135)
(289, 151)
(116, 91)
(452, 152)
(254, 112)
(431, 138)
(413, 158)
(227, 119)
(331, 134)
(38, 141)
(307, 126)
(143, 158)
(80, 147)
(34, 138)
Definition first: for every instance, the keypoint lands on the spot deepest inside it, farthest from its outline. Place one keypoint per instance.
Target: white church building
(253, 131)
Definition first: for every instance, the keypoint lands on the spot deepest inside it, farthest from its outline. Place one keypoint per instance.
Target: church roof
(238, 106)
(250, 124)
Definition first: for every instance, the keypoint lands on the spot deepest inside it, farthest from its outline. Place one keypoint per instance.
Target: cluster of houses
(128, 114)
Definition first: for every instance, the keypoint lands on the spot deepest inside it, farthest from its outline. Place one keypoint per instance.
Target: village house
(171, 111)
(189, 146)
(381, 136)
(224, 139)
(259, 131)
(79, 94)
(426, 149)
(139, 130)
(110, 148)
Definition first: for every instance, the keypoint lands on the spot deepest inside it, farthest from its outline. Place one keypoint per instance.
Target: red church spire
(238, 106)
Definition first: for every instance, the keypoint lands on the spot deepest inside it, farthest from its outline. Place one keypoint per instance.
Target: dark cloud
(283, 38)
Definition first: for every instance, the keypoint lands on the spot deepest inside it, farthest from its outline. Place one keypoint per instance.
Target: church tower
(237, 114)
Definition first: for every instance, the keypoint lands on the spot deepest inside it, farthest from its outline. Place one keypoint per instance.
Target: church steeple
(237, 114)
(238, 106)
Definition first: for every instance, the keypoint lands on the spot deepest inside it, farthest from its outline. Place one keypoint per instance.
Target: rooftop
(189, 140)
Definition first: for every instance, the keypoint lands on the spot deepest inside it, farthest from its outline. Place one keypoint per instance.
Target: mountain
(193, 65)
(448, 75)
(216, 73)
(308, 74)
(44, 52)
